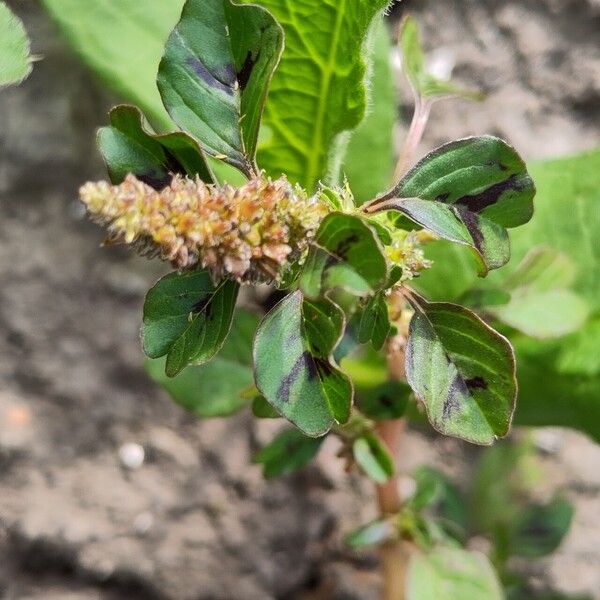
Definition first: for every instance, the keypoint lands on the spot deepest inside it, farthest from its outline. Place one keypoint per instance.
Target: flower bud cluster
(249, 233)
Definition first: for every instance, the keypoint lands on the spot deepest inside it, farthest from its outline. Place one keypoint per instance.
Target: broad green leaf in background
(15, 60)
(373, 458)
(122, 41)
(215, 74)
(215, 389)
(375, 323)
(544, 315)
(287, 453)
(462, 370)
(127, 147)
(451, 574)
(346, 253)
(187, 318)
(318, 91)
(540, 528)
(541, 305)
(369, 160)
(559, 381)
(293, 365)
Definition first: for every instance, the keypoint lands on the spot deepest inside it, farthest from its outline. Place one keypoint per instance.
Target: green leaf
(215, 74)
(369, 160)
(455, 223)
(568, 218)
(187, 318)
(540, 305)
(462, 370)
(293, 364)
(215, 389)
(347, 254)
(452, 574)
(435, 490)
(261, 409)
(544, 315)
(373, 458)
(287, 453)
(122, 41)
(481, 175)
(127, 147)
(414, 63)
(382, 402)
(15, 61)
(319, 89)
(559, 380)
(375, 323)
(539, 529)
(372, 534)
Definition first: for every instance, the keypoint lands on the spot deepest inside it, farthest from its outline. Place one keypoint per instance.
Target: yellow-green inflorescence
(249, 233)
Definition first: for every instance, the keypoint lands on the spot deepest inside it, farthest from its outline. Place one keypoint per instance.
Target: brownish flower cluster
(249, 233)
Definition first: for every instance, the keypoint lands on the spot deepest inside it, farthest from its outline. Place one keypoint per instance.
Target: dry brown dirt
(195, 521)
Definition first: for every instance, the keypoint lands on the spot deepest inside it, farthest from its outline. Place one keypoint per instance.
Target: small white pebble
(407, 486)
(132, 455)
(548, 440)
(143, 523)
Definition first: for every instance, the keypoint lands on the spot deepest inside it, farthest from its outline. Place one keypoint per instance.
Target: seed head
(249, 233)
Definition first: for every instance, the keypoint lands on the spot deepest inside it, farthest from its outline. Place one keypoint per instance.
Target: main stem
(393, 554)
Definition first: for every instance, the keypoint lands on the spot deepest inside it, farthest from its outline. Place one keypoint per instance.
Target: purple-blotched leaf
(462, 370)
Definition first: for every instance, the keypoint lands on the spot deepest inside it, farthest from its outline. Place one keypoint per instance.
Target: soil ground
(194, 521)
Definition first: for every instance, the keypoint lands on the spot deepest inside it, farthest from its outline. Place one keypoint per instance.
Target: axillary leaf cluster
(345, 271)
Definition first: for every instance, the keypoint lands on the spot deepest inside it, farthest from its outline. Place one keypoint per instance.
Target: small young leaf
(457, 224)
(436, 491)
(215, 74)
(414, 63)
(128, 148)
(215, 389)
(539, 529)
(373, 458)
(287, 453)
(372, 534)
(293, 365)
(385, 401)
(452, 574)
(187, 318)
(375, 323)
(15, 61)
(462, 370)
(346, 254)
